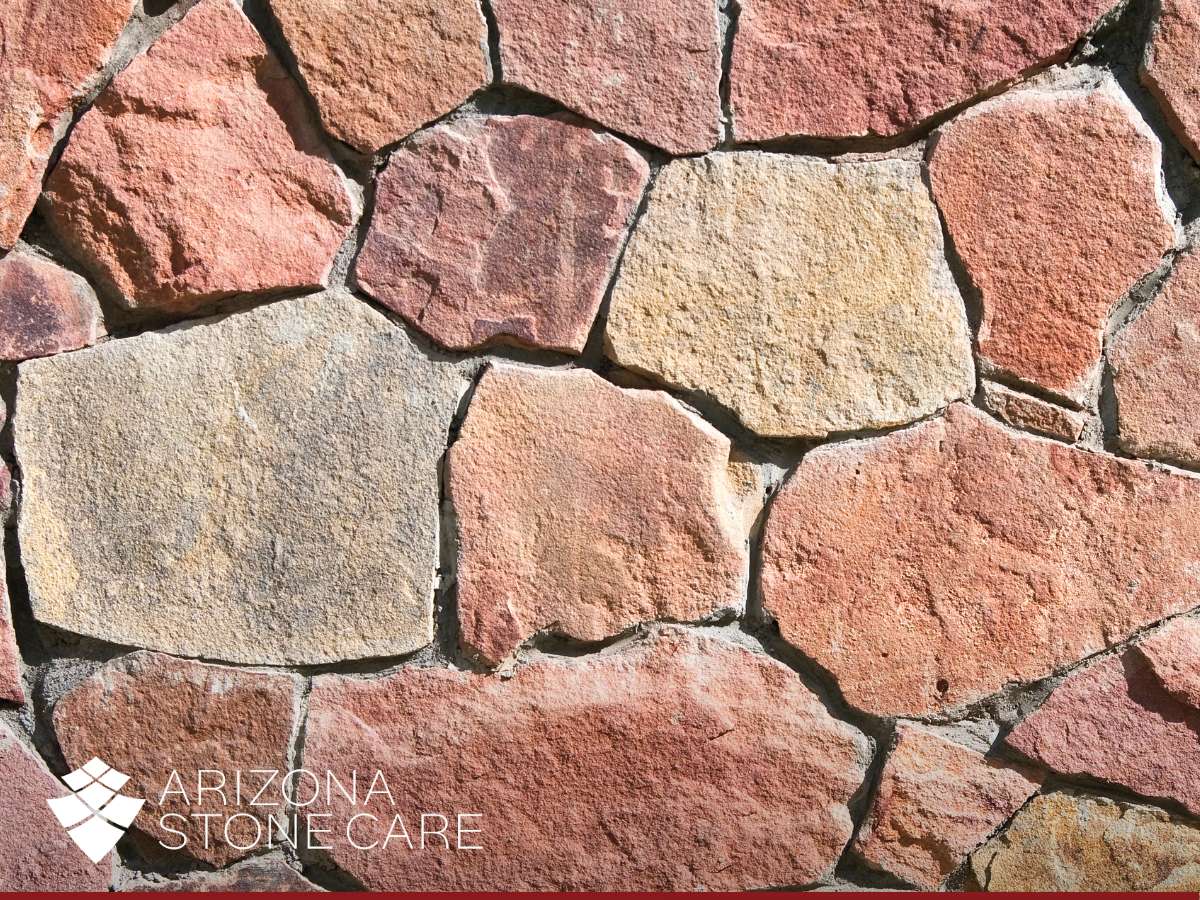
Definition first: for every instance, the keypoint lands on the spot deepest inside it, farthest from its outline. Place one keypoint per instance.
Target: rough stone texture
(11, 685)
(693, 762)
(1174, 655)
(647, 69)
(44, 309)
(929, 568)
(1169, 68)
(147, 714)
(259, 488)
(807, 297)
(1069, 842)
(1053, 201)
(1156, 372)
(196, 174)
(266, 874)
(45, 68)
(501, 228)
(561, 528)
(380, 69)
(35, 852)
(1032, 413)
(849, 68)
(936, 802)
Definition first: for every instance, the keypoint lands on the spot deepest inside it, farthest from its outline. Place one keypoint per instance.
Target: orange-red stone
(1170, 69)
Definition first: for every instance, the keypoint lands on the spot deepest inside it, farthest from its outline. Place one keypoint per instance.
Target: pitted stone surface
(261, 488)
(46, 65)
(807, 297)
(931, 567)
(853, 68)
(643, 68)
(196, 174)
(1053, 201)
(696, 763)
(1032, 413)
(44, 309)
(380, 69)
(501, 228)
(1174, 654)
(269, 874)
(1169, 68)
(561, 529)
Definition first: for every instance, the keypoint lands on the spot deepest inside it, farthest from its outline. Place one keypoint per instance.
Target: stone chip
(44, 309)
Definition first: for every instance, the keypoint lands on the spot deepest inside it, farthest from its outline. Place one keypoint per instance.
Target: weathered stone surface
(35, 852)
(693, 762)
(45, 67)
(1174, 654)
(11, 685)
(147, 715)
(196, 174)
(560, 528)
(44, 309)
(646, 69)
(807, 297)
(264, 874)
(501, 228)
(1156, 372)
(380, 69)
(931, 567)
(1032, 413)
(1053, 201)
(1169, 68)
(849, 68)
(259, 488)
(936, 802)
(1069, 842)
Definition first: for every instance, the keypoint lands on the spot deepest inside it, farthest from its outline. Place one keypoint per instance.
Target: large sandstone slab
(807, 297)
(679, 762)
(49, 57)
(647, 69)
(562, 528)
(1169, 68)
(1053, 199)
(196, 174)
(380, 69)
(931, 567)
(501, 228)
(261, 488)
(44, 309)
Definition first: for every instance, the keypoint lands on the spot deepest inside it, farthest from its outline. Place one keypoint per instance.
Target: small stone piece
(687, 762)
(501, 228)
(380, 69)
(262, 874)
(147, 715)
(1169, 68)
(44, 309)
(11, 686)
(36, 854)
(1070, 842)
(937, 801)
(196, 174)
(562, 528)
(1156, 372)
(922, 585)
(1174, 655)
(49, 55)
(807, 297)
(1053, 200)
(1033, 414)
(261, 488)
(647, 69)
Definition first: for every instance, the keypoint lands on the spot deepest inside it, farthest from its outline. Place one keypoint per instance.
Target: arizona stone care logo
(95, 814)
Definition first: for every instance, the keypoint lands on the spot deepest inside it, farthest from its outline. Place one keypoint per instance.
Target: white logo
(94, 809)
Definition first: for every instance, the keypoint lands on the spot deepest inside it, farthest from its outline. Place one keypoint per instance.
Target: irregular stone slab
(46, 66)
(36, 853)
(501, 228)
(1070, 842)
(261, 488)
(196, 174)
(147, 715)
(1032, 413)
(1156, 372)
(807, 297)
(704, 764)
(560, 528)
(848, 68)
(263, 874)
(1169, 68)
(1054, 202)
(936, 802)
(12, 687)
(922, 586)
(44, 309)
(381, 69)
(1174, 655)
(646, 69)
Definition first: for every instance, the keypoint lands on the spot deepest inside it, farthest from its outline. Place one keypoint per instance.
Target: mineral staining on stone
(808, 297)
(261, 488)
(44, 309)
